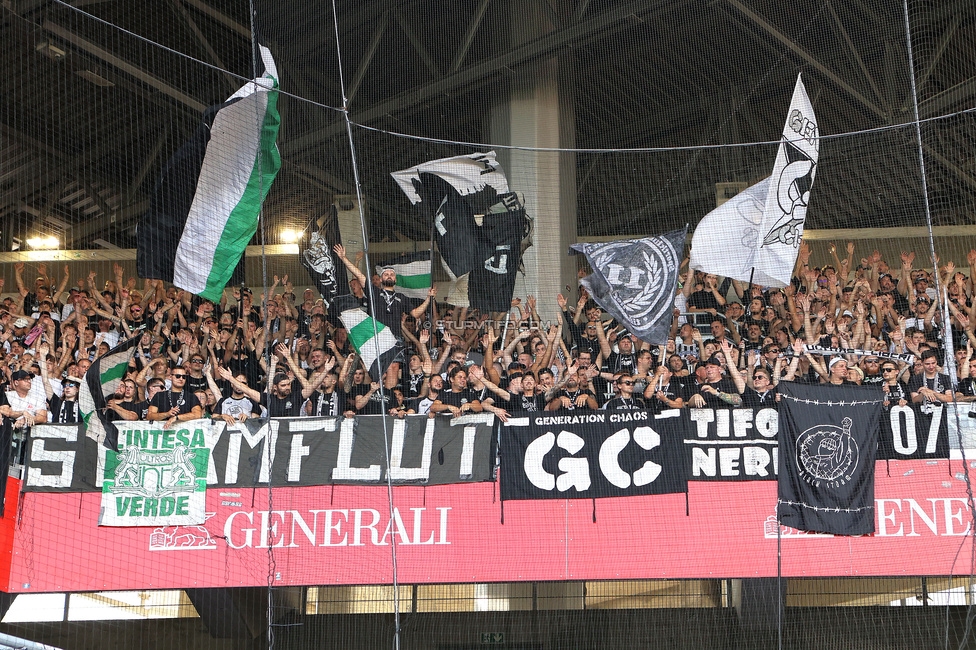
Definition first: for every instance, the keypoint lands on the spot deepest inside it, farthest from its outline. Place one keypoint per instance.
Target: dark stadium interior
(91, 112)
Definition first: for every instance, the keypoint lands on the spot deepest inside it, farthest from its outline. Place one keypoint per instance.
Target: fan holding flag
(379, 341)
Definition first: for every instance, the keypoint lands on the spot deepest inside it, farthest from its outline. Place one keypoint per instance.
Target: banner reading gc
(595, 455)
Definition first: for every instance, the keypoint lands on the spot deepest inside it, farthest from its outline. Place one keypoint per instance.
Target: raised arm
(228, 376)
(419, 310)
(340, 251)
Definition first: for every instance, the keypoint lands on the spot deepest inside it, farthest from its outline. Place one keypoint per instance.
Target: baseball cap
(21, 374)
(21, 322)
(713, 361)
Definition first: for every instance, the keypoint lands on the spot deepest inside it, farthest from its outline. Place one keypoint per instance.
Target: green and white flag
(102, 379)
(206, 204)
(158, 477)
(413, 274)
(373, 340)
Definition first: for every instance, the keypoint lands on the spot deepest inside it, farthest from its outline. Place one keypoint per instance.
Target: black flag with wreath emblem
(828, 441)
(633, 280)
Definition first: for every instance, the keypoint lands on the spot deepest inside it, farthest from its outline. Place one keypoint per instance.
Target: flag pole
(432, 306)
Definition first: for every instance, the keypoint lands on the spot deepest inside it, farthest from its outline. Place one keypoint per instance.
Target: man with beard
(574, 395)
(285, 399)
(326, 401)
(434, 388)
(623, 361)
(390, 305)
(715, 391)
(176, 404)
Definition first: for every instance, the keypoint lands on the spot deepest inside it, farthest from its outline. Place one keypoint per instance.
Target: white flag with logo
(725, 240)
(756, 235)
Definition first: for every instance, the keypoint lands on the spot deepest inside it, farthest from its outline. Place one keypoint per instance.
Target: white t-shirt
(31, 403)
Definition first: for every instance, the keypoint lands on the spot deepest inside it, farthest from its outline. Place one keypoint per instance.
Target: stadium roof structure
(99, 93)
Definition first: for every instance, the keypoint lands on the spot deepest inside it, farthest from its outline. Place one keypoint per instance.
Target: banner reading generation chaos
(282, 452)
(593, 455)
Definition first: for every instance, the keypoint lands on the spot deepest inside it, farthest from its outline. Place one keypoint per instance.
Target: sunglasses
(626, 383)
(888, 369)
(180, 376)
(196, 360)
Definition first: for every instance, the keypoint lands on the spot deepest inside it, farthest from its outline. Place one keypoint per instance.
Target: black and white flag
(503, 230)
(828, 440)
(323, 265)
(755, 236)
(480, 226)
(633, 280)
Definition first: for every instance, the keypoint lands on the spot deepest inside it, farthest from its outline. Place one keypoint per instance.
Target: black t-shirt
(751, 398)
(940, 383)
(376, 405)
(411, 385)
(164, 400)
(141, 409)
(899, 392)
(573, 396)
(704, 300)
(458, 399)
(723, 385)
(524, 404)
(672, 390)
(618, 362)
(327, 404)
(283, 407)
(194, 384)
(625, 404)
(62, 411)
(247, 366)
(390, 307)
(967, 386)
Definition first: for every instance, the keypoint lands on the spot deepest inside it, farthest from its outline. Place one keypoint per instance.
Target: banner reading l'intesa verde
(158, 477)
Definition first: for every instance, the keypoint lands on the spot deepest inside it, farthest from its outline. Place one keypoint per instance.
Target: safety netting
(530, 323)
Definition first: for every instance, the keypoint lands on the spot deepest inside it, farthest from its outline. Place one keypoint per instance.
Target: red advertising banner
(333, 535)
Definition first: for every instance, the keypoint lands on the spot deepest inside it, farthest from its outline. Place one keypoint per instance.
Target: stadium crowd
(731, 345)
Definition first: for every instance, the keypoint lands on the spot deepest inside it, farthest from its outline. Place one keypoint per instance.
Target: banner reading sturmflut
(158, 477)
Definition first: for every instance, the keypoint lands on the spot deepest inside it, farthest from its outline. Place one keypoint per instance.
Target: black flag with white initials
(828, 441)
(633, 280)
